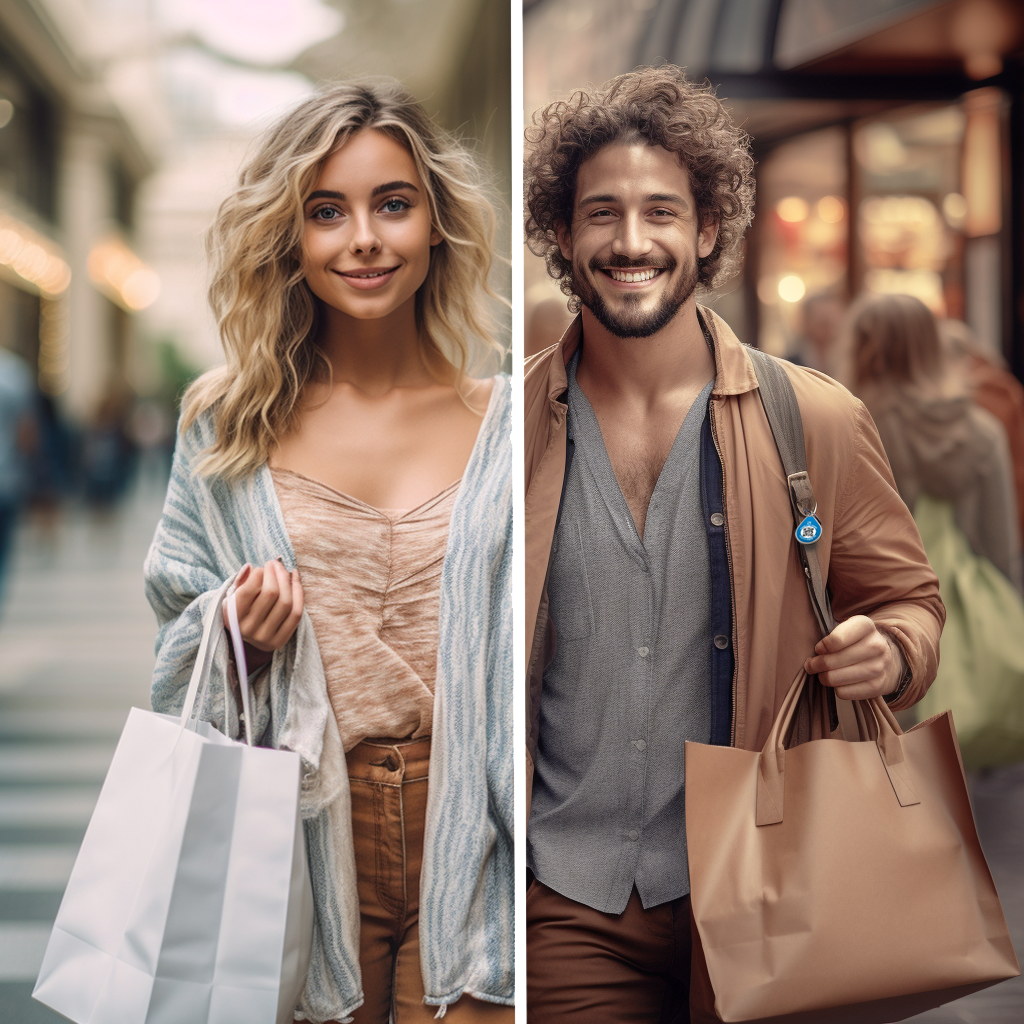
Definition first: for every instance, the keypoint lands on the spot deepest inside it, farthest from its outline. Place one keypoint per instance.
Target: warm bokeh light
(121, 275)
(791, 288)
(792, 209)
(32, 258)
(954, 209)
(831, 209)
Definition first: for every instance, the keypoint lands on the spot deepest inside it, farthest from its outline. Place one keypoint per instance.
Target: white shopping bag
(190, 899)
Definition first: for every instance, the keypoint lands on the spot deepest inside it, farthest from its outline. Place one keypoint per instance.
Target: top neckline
(387, 513)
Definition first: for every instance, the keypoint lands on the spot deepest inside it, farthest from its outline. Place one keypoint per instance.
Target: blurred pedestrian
(51, 470)
(108, 454)
(346, 461)
(17, 436)
(938, 440)
(994, 388)
(819, 345)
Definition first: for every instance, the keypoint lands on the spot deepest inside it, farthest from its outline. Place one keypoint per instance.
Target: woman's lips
(368, 278)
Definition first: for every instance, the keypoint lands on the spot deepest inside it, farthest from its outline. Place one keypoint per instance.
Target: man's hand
(269, 602)
(857, 660)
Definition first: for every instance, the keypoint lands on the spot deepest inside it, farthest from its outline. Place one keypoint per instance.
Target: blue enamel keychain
(809, 529)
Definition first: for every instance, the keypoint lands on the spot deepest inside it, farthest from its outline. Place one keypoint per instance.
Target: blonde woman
(346, 458)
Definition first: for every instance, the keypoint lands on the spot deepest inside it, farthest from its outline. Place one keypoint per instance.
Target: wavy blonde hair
(266, 313)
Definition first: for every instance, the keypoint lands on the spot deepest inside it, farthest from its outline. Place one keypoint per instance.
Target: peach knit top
(371, 581)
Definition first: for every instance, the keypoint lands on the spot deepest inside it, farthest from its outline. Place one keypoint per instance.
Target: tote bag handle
(200, 681)
(771, 771)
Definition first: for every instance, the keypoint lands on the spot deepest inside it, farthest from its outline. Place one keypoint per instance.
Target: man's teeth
(634, 276)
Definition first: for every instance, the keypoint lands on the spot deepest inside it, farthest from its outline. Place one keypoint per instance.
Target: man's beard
(633, 321)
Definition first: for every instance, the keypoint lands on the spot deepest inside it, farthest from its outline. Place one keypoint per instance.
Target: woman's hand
(269, 603)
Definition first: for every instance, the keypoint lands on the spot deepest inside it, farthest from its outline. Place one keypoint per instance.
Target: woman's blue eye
(395, 205)
(326, 213)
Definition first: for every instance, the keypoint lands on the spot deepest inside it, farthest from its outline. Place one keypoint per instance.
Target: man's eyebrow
(391, 186)
(597, 199)
(655, 197)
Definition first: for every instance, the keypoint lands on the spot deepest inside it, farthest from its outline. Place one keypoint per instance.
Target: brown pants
(389, 809)
(585, 967)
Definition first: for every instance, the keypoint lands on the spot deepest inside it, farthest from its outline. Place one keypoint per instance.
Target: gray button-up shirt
(630, 680)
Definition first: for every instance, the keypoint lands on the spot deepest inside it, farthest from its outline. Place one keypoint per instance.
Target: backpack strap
(780, 406)
(783, 412)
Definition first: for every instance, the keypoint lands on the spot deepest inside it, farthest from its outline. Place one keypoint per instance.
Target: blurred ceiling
(422, 42)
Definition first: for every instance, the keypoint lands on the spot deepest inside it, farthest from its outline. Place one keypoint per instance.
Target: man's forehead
(628, 166)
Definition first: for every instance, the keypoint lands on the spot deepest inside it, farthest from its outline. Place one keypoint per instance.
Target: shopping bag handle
(200, 680)
(240, 664)
(771, 772)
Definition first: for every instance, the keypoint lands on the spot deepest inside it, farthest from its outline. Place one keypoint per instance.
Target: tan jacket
(870, 550)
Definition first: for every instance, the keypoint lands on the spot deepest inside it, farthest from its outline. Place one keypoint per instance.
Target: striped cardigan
(209, 529)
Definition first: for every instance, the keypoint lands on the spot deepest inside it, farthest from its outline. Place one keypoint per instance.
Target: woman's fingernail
(244, 572)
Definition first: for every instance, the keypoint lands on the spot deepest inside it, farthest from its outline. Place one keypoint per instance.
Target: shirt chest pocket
(568, 586)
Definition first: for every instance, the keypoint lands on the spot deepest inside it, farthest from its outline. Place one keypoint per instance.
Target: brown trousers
(586, 967)
(389, 809)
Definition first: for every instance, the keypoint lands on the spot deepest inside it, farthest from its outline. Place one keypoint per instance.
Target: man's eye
(395, 205)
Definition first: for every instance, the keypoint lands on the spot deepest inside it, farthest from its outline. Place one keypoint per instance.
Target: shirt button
(643, 651)
(640, 745)
(721, 641)
(717, 519)
(633, 834)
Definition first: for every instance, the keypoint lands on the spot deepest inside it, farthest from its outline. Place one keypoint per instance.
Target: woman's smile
(368, 278)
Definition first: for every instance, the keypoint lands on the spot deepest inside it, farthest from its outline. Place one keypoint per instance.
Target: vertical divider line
(518, 503)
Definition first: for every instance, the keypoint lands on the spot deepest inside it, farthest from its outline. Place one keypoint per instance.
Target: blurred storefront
(888, 135)
(71, 158)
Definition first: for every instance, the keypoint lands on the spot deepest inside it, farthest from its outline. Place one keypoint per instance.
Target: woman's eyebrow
(390, 186)
(325, 194)
(393, 186)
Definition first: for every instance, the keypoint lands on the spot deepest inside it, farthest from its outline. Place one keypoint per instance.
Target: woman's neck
(375, 356)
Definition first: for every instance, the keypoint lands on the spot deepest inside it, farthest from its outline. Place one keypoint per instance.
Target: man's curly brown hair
(659, 106)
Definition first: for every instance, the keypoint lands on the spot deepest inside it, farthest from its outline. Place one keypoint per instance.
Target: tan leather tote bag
(840, 881)
(836, 881)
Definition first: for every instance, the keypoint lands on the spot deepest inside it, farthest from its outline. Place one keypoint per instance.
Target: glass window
(911, 212)
(802, 233)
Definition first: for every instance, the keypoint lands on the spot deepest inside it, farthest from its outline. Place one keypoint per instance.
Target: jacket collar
(734, 373)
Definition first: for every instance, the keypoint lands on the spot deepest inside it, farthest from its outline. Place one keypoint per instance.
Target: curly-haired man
(665, 599)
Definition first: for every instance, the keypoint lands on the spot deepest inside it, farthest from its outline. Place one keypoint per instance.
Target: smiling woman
(349, 464)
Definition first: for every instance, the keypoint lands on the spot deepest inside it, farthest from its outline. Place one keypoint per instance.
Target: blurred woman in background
(939, 442)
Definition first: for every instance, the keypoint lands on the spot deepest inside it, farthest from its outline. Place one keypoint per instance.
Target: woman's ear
(436, 238)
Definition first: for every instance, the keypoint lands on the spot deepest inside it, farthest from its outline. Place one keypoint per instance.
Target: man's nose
(364, 237)
(631, 238)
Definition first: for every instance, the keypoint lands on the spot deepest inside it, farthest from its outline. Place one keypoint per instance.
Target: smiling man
(665, 598)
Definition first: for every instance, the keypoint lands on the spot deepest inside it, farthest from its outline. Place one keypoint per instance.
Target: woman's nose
(364, 237)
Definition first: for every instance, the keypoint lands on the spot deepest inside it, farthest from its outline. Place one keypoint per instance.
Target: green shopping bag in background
(981, 663)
